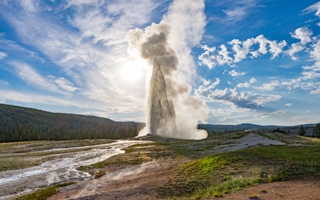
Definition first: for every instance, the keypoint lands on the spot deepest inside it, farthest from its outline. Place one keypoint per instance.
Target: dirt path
(307, 188)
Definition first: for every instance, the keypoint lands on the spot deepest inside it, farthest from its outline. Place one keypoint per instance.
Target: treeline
(315, 132)
(25, 124)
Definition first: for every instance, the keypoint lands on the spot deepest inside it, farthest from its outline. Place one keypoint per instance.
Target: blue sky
(251, 61)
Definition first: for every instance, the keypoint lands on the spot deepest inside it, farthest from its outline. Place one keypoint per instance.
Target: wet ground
(62, 168)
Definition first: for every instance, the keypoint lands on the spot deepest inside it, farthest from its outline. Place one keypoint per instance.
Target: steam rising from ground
(171, 111)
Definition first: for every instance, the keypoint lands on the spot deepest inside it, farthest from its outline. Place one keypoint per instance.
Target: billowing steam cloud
(171, 111)
(155, 49)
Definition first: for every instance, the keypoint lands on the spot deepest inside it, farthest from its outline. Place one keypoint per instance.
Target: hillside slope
(21, 124)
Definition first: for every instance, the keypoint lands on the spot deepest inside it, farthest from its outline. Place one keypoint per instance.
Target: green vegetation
(16, 163)
(220, 174)
(26, 124)
(202, 173)
(135, 154)
(316, 131)
(99, 174)
(302, 131)
(43, 193)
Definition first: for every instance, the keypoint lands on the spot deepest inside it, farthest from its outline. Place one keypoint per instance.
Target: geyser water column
(164, 93)
(163, 61)
(161, 110)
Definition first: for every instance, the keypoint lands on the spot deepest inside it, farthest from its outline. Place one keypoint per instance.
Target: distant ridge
(211, 128)
(20, 124)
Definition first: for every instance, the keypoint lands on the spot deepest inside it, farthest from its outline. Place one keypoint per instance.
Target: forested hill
(21, 124)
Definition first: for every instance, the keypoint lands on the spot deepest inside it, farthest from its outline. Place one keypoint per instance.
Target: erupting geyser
(168, 99)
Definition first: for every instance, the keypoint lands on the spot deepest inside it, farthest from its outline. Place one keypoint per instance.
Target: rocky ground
(158, 169)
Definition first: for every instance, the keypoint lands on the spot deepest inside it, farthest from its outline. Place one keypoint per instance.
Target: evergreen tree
(302, 131)
(316, 131)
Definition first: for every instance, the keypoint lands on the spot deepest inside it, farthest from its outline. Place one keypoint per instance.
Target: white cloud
(207, 86)
(276, 48)
(263, 44)
(12, 48)
(65, 84)
(3, 55)
(313, 8)
(318, 24)
(239, 10)
(32, 77)
(295, 48)
(315, 52)
(288, 104)
(244, 85)
(279, 112)
(247, 84)
(235, 13)
(4, 83)
(211, 57)
(315, 91)
(241, 52)
(304, 35)
(268, 86)
(253, 80)
(235, 73)
(312, 72)
(232, 97)
(30, 5)
(90, 54)
(35, 98)
(292, 83)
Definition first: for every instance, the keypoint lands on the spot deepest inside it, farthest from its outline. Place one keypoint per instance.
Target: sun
(131, 72)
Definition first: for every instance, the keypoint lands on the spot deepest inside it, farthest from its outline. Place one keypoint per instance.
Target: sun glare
(131, 72)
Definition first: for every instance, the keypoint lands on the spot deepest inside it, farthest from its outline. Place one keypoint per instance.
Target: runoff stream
(58, 170)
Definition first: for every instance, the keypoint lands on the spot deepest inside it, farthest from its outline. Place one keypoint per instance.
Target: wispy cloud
(65, 84)
(313, 8)
(30, 5)
(4, 83)
(3, 55)
(87, 51)
(32, 77)
(239, 10)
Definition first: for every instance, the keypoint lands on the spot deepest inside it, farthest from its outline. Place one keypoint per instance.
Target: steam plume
(167, 97)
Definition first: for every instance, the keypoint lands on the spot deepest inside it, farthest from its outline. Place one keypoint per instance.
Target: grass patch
(220, 174)
(17, 163)
(43, 193)
(100, 174)
(230, 185)
(30, 146)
